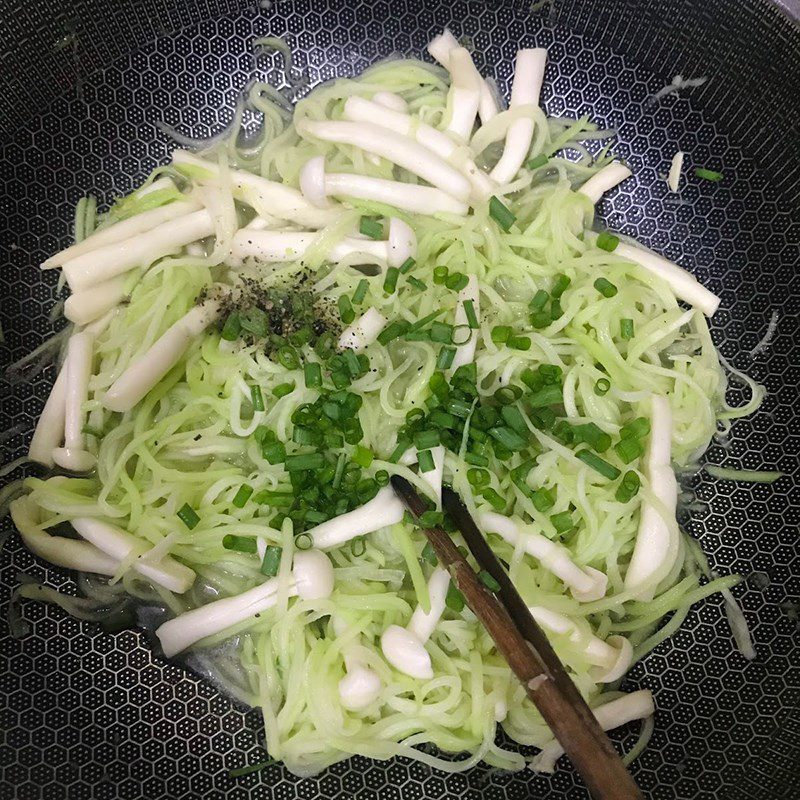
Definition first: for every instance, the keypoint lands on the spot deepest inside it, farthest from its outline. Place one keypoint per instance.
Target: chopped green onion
(459, 408)
(519, 343)
(500, 334)
(440, 275)
(454, 600)
(628, 449)
(430, 519)
(478, 477)
(232, 328)
(607, 241)
(441, 332)
(461, 334)
(425, 461)
(271, 561)
(560, 285)
(562, 522)
(628, 487)
(251, 768)
(417, 283)
(708, 174)
(594, 436)
(456, 281)
(407, 265)
(469, 311)
(506, 395)
(288, 358)
(303, 542)
(508, 437)
(361, 291)
(304, 461)
(188, 516)
(598, 464)
(351, 362)
(242, 496)
(274, 453)
(556, 311)
(429, 554)
(283, 389)
(500, 214)
(626, 329)
(602, 386)
(363, 457)
(543, 500)
(605, 287)
(313, 375)
(635, 429)
(306, 436)
(547, 396)
(346, 312)
(495, 500)
(255, 321)
(392, 331)
(539, 300)
(512, 416)
(540, 319)
(241, 544)
(476, 460)
(358, 546)
(445, 359)
(488, 581)
(256, 398)
(369, 226)
(537, 161)
(424, 440)
(390, 281)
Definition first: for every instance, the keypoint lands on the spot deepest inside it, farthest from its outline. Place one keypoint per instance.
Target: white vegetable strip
(49, 431)
(363, 331)
(361, 685)
(654, 551)
(119, 544)
(464, 94)
(358, 109)
(86, 306)
(312, 182)
(465, 353)
(415, 199)
(126, 229)
(73, 455)
(394, 147)
(402, 242)
(58, 550)
(149, 368)
(683, 283)
(142, 250)
(601, 182)
(528, 79)
(636, 705)
(433, 477)
(675, 169)
(391, 101)
(268, 198)
(384, 509)
(586, 583)
(404, 648)
(313, 579)
(440, 48)
(279, 246)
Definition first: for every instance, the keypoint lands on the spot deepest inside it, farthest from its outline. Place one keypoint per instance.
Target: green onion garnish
(445, 359)
(361, 291)
(469, 311)
(626, 329)
(424, 440)
(274, 452)
(607, 241)
(369, 226)
(556, 312)
(288, 358)
(303, 542)
(358, 546)
(241, 544)
(488, 581)
(454, 600)
(256, 398)
(304, 461)
(519, 343)
(188, 516)
(537, 161)
(390, 281)
(346, 312)
(548, 396)
(508, 437)
(313, 375)
(540, 319)
(635, 429)
(628, 449)
(459, 408)
(500, 214)
(232, 328)
(594, 436)
(598, 464)
(425, 461)
(363, 457)
(543, 500)
(242, 496)
(560, 285)
(407, 265)
(605, 287)
(562, 522)
(461, 334)
(476, 459)
(417, 283)
(392, 331)
(496, 501)
(478, 477)
(429, 554)
(602, 386)
(456, 281)
(282, 389)
(440, 275)
(539, 300)
(271, 561)
(708, 174)
(512, 416)
(251, 768)
(500, 334)
(628, 487)
(441, 332)
(430, 519)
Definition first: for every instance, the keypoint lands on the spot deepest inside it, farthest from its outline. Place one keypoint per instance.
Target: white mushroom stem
(433, 477)
(391, 101)
(146, 370)
(407, 197)
(528, 78)
(268, 198)
(359, 109)
(124, 230)
(683, 283)
(394, 147)
(90, 304)
(73, 455)
(675, 169)
(611, 657)
(49, 433)
(361, 686)
(402, 242)
(120, 545)
(465, 353)
(603, 181)
(58, 550)
(464, 94)
(655, 549)
(363, 331)
(404, 648)
(440, 49)
(114, 259)
(585, 583)
(383, 510)
(312, 579)
(637, 705)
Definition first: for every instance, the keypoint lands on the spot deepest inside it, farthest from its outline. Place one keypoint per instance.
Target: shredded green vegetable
(232, 445)
(743, 475)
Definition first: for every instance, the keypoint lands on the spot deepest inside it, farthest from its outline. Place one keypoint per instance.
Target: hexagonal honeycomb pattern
(85, 714)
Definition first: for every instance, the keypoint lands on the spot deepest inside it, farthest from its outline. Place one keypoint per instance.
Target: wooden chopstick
(527, 650)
